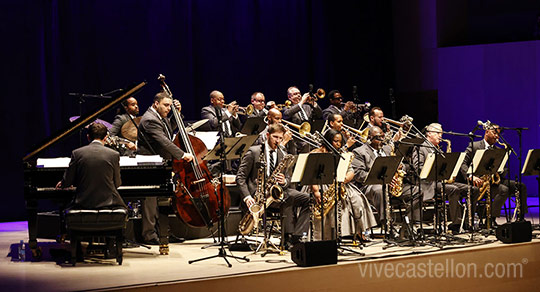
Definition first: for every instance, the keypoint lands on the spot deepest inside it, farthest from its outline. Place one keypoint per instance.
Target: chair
(96, 223)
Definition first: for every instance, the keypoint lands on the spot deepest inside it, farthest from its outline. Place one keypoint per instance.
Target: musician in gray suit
(454, 190)
(246, 179)
(499, 192)
(95, 171)
(303, 107)
(258, 103)
(229, 116)
(155, 137)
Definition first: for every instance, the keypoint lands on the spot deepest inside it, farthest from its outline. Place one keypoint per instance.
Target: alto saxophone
(395, 188)
(488, 179)
(328, 198)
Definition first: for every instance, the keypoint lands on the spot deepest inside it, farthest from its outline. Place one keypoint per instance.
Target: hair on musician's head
(333, 117)
(433, 127)
(373, 109)
(160, 96)
(273, 128)
(97, 131)
(330, 134)
(332, 93)
(289, 90)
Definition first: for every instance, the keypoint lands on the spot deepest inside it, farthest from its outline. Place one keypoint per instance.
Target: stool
(102, 223)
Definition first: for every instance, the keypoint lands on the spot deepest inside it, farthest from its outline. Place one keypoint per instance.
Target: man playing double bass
(156, 127)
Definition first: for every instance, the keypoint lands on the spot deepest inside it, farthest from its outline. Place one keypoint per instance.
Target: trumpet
(287, 104)
(247, 110)
(303, 133)
(320, 94)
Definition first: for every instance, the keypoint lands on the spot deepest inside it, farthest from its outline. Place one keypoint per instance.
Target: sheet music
(299, 167)
(476, 159)
(343, 166)
(63, 162)
(503, 163)
(527, 160)
(428, 164)
(209, 138)
(457, 167)
(53, 162)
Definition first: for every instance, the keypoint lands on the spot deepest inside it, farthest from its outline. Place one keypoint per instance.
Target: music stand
(438, 168)
(224, 152)
(315, 169)
(487, 162)
(253, 126)
(382, 171)
(317, 126)
(531, 167)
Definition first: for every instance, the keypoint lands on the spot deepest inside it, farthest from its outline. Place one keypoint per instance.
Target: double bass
(197, 195)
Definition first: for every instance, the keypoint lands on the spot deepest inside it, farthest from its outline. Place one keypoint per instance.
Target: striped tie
(272, 162)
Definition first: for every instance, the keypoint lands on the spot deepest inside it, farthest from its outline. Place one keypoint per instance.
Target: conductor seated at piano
(354, 210)
(156, 128)
(364, 157)
(454, 191)
(501, 188)
(259, 105)
(294, 207)
(130, 108)
(217, 110)
(274, 117)
(94, 170)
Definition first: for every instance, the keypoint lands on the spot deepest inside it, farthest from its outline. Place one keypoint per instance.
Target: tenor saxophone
(247, 223)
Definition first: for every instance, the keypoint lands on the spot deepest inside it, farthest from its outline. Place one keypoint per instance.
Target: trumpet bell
(321, 93)
(249, 109)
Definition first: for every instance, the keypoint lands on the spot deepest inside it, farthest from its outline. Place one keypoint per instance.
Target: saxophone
(396, 189)
(247, 223)
(494, 179)
(449, 150)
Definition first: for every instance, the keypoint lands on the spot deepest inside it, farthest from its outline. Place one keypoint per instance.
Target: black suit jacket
(95, 171)
(209, 112)
(246, 178)
(293, 113)
(157, 133)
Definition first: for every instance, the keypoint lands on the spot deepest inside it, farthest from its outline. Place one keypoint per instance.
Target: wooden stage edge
(495, 267)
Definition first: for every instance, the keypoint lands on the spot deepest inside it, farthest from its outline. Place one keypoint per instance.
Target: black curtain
(54, 48)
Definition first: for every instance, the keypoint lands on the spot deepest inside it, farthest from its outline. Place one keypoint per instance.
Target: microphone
(354, 92)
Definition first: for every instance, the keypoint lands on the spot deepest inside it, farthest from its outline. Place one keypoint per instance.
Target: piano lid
(81, 122)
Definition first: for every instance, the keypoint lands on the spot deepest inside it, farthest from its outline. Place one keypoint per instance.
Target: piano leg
(31, 209)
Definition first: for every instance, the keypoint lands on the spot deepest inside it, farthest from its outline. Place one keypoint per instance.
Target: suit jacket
(246, 178)
(258, 113)
(95, 171)
(209, 112)
(332, 109)
(469, 154)
(119, 121)
(290, 147)
(364, 157)
(156, 131)
(418, 160)
(293, 113)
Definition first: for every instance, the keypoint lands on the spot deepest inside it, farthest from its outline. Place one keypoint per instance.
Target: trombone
(303, 133)
(359, 135)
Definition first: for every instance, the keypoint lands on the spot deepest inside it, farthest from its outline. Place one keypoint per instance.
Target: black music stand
(487, 162)
(225, 151)
(317, 126)
(531, 167)
(253, 126)
(440, 169)
(382, 171)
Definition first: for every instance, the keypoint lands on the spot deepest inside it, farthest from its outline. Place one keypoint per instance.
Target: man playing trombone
(348, 134)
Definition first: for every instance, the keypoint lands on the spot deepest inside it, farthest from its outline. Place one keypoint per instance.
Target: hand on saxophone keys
(317, 196)
(280, 178)
(249, 201)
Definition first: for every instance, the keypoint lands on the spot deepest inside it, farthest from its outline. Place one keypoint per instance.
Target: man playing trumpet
(229, 116)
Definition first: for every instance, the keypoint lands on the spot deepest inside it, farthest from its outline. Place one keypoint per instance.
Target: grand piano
(138, 180)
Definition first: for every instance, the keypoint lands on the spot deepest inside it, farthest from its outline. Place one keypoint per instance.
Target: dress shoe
(153, 241)
(174, 239)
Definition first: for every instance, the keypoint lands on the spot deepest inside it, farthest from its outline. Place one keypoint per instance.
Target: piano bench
(96, 223)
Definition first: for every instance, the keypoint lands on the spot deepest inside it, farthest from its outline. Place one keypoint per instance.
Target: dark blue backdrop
(237, 47)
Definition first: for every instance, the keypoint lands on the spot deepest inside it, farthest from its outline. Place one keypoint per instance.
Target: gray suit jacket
(293, 113)
(95, 171)
(209, 112)
(363, 160)
(155, 130)
(118, 122)
(246, 178)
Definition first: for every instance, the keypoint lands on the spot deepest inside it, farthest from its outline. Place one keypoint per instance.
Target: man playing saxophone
(501, 191)
(295, 205)
(454, 190)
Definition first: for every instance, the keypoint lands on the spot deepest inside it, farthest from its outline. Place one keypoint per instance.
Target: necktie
(272, 162)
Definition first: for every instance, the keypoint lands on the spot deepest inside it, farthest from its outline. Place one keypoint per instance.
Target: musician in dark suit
(246, 179)
(258, 103)
(454, 190)
(95, 171)
(131, 108)
(335, 99)
(229, 115)
(499, 192)
(364, 157)
(304, 107)
(156, 128)
(335, 122)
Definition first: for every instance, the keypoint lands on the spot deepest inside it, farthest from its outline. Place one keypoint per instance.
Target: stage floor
(146, 270)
